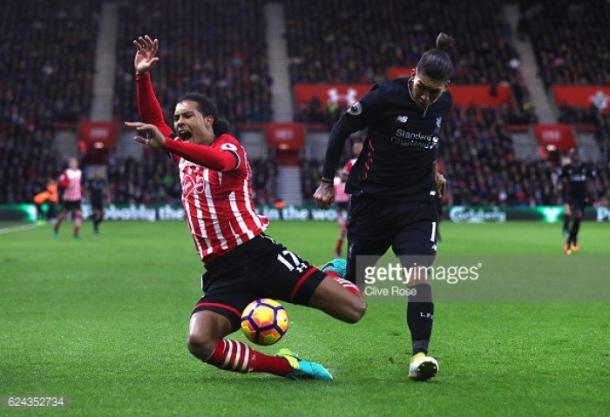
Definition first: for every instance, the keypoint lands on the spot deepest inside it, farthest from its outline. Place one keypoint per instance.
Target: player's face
(191, 125)
(73, 163)
(425, 90)
(357, 148)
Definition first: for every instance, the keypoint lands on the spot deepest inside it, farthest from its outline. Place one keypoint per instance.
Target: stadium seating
(49, 83)
(217, 48)
(154, 180)
(567, 39)
(51, 78)
(47, 50)
(481, 167)
(329, 42)
(27, 161)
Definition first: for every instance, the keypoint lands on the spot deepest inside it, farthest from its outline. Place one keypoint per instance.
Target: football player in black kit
(394, 183)
(97, 190)
(574, 176)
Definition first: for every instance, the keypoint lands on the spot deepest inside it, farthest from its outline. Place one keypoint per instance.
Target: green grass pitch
(103, 321)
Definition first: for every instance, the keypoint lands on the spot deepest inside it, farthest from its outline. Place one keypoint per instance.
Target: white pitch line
(8, 230)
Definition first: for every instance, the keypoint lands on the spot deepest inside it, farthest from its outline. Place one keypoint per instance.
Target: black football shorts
(409, 228)
(259, 268)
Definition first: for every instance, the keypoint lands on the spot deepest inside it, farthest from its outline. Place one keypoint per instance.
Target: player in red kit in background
(71, 182)
(342, 198)
(241, 262)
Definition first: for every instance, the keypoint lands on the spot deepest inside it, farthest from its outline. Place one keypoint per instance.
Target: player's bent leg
(206, 329)
(206, 341)
(282, 274)
(338, 302)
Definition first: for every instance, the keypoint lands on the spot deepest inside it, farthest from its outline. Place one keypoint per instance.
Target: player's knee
(356, 309)
(201, 346)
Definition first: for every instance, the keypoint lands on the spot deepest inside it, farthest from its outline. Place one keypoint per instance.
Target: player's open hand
(146, 54)
(148, 135)
(324, 195)
(441, 184)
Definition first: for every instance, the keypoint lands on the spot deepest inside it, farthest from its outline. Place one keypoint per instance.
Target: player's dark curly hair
(208, 108)
(436, 63)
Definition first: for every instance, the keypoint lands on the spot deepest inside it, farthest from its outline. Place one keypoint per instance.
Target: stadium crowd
(51, 79)
(566, 38)
(50, 82)
(154, 180)
(225, 58)
(330, 42)
(481, 167)
(27, 160)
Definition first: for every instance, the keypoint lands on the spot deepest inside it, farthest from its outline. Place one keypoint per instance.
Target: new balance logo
(402, 119)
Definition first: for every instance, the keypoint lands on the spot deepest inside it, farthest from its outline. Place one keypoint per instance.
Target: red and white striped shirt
(218, 204)
(219, 207)
(70, 180)
(340, 195)
(347, 168)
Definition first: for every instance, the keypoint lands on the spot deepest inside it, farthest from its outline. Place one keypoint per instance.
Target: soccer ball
(264, 321)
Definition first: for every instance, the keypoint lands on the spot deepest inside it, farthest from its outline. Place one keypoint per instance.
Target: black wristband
(326, 180)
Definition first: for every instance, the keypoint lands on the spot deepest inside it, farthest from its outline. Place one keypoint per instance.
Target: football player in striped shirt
(71, 182)
(242, 263)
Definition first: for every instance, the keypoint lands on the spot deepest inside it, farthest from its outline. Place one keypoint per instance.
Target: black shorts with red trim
(259, 268)
(70, 205)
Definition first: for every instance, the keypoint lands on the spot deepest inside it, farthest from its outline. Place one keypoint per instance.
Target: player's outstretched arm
(150, 135)
(149, 107)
